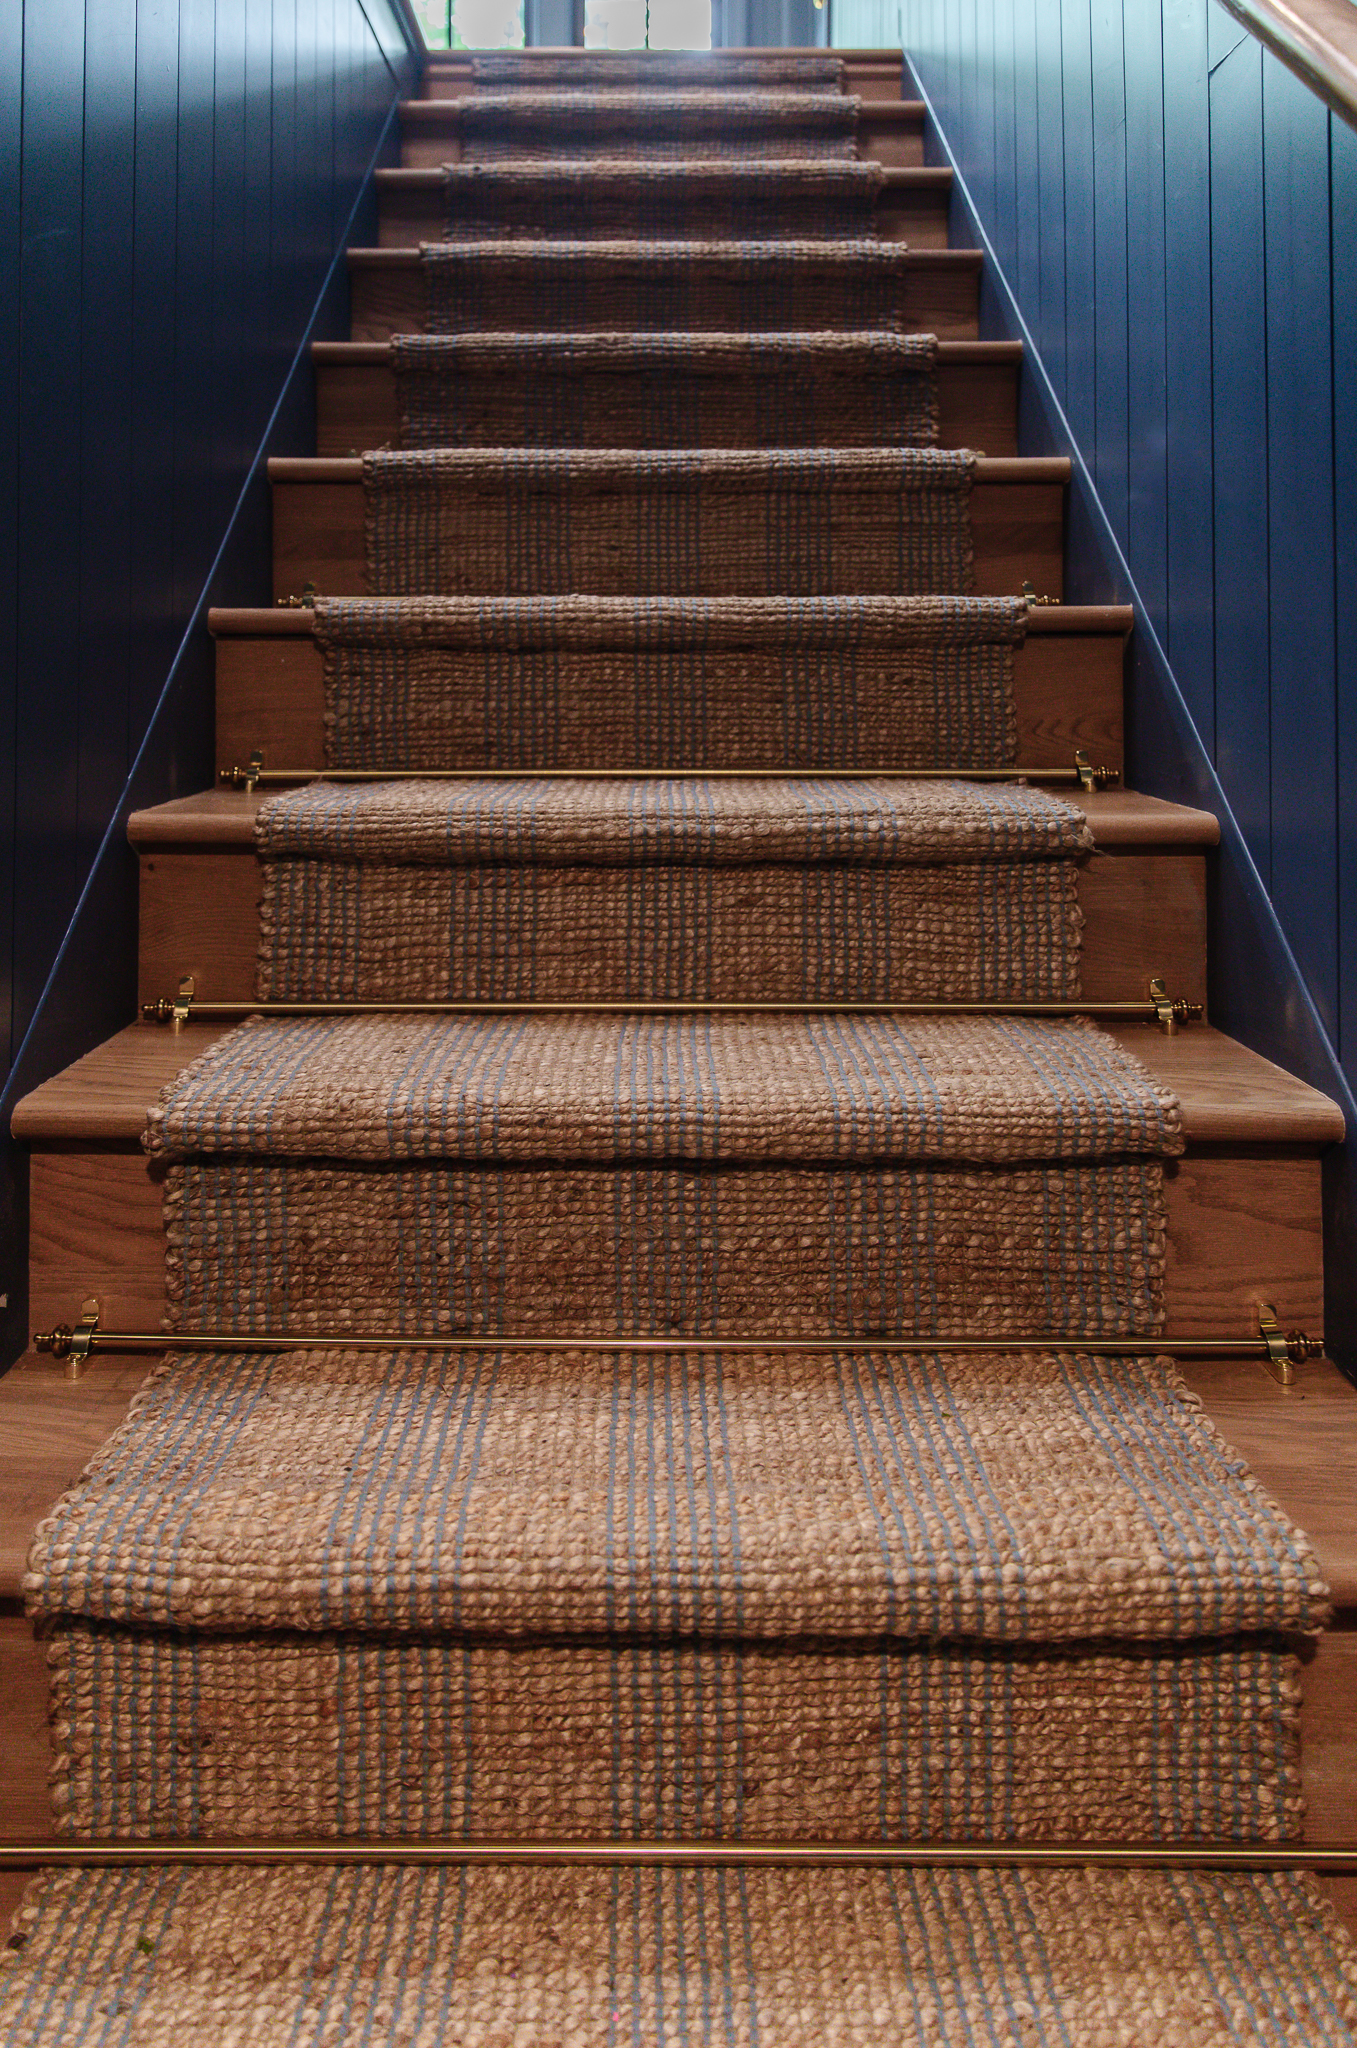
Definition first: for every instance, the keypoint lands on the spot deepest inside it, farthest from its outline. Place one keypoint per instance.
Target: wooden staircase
(1245, 1220)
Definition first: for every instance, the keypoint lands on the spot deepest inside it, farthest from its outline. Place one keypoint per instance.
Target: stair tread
(896, 177)
(362, 258)
(295, 622)
(793, 1956)
(884, 113)
(649, 341)
(1300, 1443)
(1228, 1094)
(348, 469)
(1117, 817)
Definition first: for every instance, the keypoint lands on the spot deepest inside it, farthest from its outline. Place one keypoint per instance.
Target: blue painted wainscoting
(1173, 222)
(177, 177)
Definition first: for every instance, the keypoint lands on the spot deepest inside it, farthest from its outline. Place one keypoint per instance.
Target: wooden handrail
(1317, 39)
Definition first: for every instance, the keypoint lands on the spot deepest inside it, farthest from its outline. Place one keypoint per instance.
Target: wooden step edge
(377, 355)
(896, 177)
(348, 469)
(887, 57)
(1300, 1443)
(1117, 817)
(410, 259)
(287, 622)
(1230, 1096)
(886, 113)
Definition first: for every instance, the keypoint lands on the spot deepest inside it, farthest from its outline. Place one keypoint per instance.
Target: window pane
(665, 25)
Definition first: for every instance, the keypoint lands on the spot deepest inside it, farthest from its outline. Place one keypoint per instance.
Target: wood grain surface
(912, 208)
(356, 403)
(1067, 692)
(939, 293)
(1018, 530)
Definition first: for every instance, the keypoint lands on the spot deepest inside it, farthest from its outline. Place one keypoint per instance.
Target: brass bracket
(172, 1010)
(1030, 593)
(246, 778)
(1286, 1349)
(1170, 1011)
(1091, 778)
(305, 603)
(72, 1344)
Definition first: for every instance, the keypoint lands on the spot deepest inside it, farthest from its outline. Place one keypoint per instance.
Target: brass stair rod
(1156, 1008)
(1274, 1347)
(1079, 774)
(441, 1851)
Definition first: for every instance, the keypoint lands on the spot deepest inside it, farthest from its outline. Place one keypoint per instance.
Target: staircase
(665, 448)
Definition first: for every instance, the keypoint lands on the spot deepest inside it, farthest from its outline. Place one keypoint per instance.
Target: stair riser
(1067, 691)
(866, 76)
(318, 538)
(387, 299)
(409, 215)
(1146, 914)
(1328, 1681)
(1243, 1224)
(357, 409)
(587, 1739)
(894, 137)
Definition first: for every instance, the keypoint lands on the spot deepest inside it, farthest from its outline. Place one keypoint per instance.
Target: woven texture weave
(721, 1958)
(835, 1088)
(634, 286)
(1009, 1499)
(586, 71)
(570, 891)
(701, 126)
(342, 1733)
(604, 199)
(669, 682)
(666, 390)
(724, 523)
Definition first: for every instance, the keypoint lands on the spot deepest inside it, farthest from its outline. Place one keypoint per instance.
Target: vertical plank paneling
(1193, 296)
(162, 242)
(1146, 339)
(1300, 526)
(1239, 378)
(1109, 322)
(1188, 504)
(51, 435)
(1343, 173)
(1077, 125)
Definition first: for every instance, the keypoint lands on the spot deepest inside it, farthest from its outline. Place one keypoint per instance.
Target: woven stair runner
(587, 71)
(818, 890)
(666, 390)
(716, 523)
(726, 1957)
(693, 1594)
(609, 198)
(555, 1593)
(610, 682)
(649, 125)
(694, 286)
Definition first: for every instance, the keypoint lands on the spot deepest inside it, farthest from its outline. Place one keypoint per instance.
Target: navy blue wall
(1172, 216)
(177, 176)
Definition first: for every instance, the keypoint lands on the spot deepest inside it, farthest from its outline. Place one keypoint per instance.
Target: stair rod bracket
(1279, 1350)
(1168, 1012)
(1081, 773)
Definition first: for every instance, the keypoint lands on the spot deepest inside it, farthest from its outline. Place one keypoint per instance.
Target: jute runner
(531, 1169)
(717, 126)
(856, 283)
(722, 522)
(799, 1959)
(587, 70)
(608, 198)
(576, 1593)
(820, 890)
(610, 682)
(670, 390)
